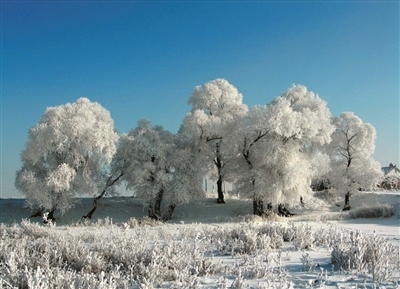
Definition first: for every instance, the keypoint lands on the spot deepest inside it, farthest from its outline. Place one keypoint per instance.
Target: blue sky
(142, 59)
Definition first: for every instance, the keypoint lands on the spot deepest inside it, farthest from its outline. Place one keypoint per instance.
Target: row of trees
(271, 153)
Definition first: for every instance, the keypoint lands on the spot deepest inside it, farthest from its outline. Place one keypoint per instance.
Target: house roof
(392, 169)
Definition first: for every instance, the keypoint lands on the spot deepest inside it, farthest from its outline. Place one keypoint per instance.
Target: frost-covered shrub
(372, 211)
(370, 254)
(143, 222)
(307, 263)
(331, 216)
(154, 257)
(276, 233)
(34, 230)
(304, 237)
(390, 183)
(103, 259)
(242, 240)
(327, 236)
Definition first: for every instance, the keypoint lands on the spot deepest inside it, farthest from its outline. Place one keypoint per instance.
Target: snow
(288, 262)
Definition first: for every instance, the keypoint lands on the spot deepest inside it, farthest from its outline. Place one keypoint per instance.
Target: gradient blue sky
(142, 60)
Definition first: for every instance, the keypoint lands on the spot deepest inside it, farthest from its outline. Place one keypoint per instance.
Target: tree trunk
(157, 205)
(49, 216)
(89, 215)
(150, 212)
(154, 209)
(258, 207)
(220, 199)
(110, 183)
(346, 202)
(38, 213)
(168, 214)
(219, 165)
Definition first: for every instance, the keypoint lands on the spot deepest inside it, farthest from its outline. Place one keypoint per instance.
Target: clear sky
(142, 59)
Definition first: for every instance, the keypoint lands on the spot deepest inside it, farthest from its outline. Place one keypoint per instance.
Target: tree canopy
(217, 109)
(352, 165)
(65, 154)
(270, 153)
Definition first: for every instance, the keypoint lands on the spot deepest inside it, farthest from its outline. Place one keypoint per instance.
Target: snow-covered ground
(292, 265)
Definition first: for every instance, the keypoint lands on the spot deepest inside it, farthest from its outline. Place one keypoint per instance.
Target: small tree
(65, 155)
(216, 110)
(352, 165)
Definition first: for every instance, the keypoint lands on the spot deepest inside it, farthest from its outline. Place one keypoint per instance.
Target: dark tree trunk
(49, 217)
(157, 205)
(38, 213)
(110, 182)
(150, 211)
(220, 199)
(219, 165)
(89, 215)
(168, 214)
(258, 204)
(258, 207)
(283, 212)
(154, 208)
(346, 202)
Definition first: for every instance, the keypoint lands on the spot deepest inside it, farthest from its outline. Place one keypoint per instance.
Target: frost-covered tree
(148, 150)
(65, 155)
(187, 175)
(352, 165)
(111, 176)
(157, 167)
(216, 110)
(276, 143)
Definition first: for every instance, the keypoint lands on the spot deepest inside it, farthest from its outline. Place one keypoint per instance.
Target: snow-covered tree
(65, 155)
(156, 165)
(147, 150)
(276, 142)
(111, 176)
(216, 110)
(187, 175)
(352, 165)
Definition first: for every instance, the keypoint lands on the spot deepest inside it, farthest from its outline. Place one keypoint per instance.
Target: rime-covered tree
(186, 175)
(157, 167)
(352, 165)
(65, 155)
(111, 176)
(216, 110)
(148, 150)
(276, 143)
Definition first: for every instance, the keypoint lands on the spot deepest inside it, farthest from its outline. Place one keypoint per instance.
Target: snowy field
(206, 245)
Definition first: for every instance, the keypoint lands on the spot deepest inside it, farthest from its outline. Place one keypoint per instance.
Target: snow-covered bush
(390, 183)
(307, 263)
(303, 236)
(115, 256)
(276, 233)
(369, 254)
(242, 240)
(143, 222)
(372, 211)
